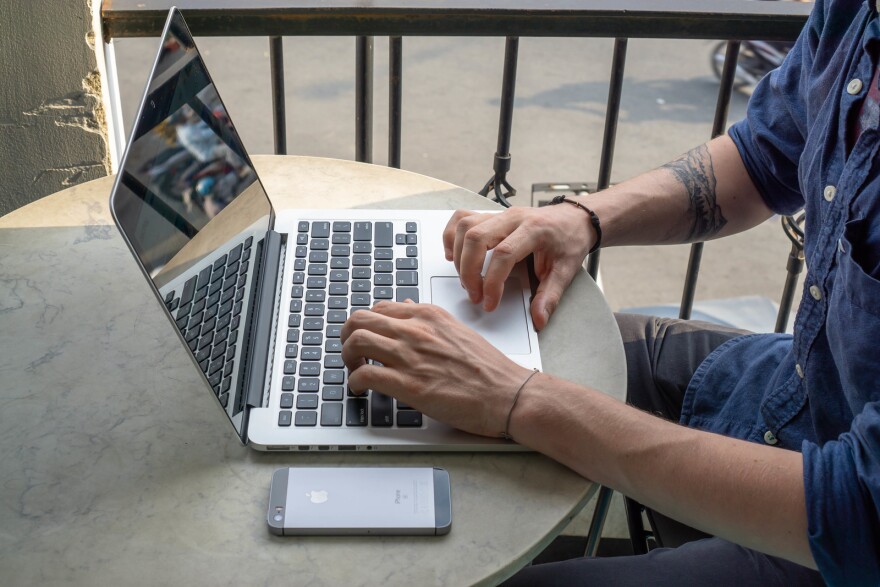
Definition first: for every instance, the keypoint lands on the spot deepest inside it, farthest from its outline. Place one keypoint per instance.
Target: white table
(115, 469)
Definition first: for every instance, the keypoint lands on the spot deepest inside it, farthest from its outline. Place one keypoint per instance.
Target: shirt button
(799, 370)
(854, 86)
(770, 438)
(829, 193)
(815, 292)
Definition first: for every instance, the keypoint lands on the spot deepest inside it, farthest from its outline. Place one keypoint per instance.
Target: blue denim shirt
(818, 391)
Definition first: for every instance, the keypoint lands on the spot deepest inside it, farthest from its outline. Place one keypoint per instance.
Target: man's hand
(559, 236)
(433, 363)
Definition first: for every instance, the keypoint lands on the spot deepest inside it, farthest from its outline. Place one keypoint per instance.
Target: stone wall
(53, 131)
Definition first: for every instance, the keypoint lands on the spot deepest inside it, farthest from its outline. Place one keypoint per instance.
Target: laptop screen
(187, 188)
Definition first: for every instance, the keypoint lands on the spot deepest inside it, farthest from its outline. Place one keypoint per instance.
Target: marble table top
(115, 469)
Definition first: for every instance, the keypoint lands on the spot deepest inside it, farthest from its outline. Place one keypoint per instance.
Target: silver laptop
(258, 299)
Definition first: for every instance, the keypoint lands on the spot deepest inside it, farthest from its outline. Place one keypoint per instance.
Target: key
(248, 242)
(340, 251)
(284, 418)
(334, 330)
(412, 251)
(411, 227)
(333, 362)
(313, 324)
(405, 293)
(319, 244)
(290, 351)
(381, 410)
(299, 277)
(384, 235)
(314, 309)
(341, 226)
(412, 239)
(204, 278)
(296, 291)
(302, 238)
(339, 263)
(363, 231)
(310, 354)
(307, 402)
(299, 265)
(301, 251)
(356, 411)
(382, 293)
(290, 367)
(331, 414)
(306, 419)
(287, 383)
(316, 282)
(293, 335)
(409, 419)
(407, 278)
(360, 299)
(338, 275)
(333, 393)
(320, 229)
(333, 346)
(315, 295)
(336, 316)
(230, 354)
(361, 260)
(338, 303)
(189, 288)
(310, 385)
(309, 369)
(386, 266)
(303, 226)
(360, 285)
(340, 239)
(383, 279)
(318, 257)
(361, 273)
(286, 400)
(296, 306)
(318, 269)
(383, 254)
(293, 320)
(334, 376)
(312, 339)
(407, 264)
(338, 289)
(400, 239)
(363, 248)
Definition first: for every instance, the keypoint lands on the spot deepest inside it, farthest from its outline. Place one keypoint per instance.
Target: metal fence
(730, 20)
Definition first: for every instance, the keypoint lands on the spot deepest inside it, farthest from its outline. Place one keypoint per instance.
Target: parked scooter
(756, 59)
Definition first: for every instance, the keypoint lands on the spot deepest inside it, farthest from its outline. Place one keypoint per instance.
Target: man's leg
(661, 356)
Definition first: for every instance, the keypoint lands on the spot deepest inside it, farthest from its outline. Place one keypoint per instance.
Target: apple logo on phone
(317, 496)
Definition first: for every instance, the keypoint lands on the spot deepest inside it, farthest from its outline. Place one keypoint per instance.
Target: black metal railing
(732, 20)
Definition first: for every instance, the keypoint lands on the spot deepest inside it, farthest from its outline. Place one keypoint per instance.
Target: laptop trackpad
(506, 327)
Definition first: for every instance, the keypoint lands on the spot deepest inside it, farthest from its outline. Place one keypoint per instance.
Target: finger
(373, 321)
(449, 231)
(547, 297)
(382, 379)
(399, 310)
(505, 256)
(363, 345)
(475, 243)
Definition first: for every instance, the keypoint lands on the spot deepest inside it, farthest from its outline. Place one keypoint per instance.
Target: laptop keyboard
(341, 267)
(208, 314)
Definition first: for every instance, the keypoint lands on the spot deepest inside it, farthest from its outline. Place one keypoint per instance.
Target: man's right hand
(559, 236)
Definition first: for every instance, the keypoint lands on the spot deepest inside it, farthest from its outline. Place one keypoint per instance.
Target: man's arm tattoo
(695, 171)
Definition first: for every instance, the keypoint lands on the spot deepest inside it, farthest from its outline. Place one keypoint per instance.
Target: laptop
(257, 299)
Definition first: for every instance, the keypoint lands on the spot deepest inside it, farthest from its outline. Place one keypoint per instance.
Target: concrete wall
(52, 122)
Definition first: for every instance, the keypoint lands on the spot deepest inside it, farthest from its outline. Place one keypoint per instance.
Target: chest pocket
(854, 317)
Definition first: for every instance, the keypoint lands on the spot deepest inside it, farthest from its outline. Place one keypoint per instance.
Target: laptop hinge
(261, 317)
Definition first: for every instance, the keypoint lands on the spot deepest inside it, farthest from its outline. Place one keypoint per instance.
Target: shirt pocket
(853, 324)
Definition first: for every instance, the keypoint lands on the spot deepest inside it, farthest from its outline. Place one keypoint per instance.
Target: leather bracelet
(506, 434)
(594, 220)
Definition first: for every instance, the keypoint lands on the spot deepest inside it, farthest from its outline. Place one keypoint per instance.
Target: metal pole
(612, 112)
(718, 126)
(603, 502)
(279, 118)
(505, 127)
(792, 227)
(363, 143)
(395, 100)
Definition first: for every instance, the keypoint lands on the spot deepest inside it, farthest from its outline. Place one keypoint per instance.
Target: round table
(116, 468)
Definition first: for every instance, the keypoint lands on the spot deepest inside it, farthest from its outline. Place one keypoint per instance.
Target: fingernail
(487, 303)
(474, 296)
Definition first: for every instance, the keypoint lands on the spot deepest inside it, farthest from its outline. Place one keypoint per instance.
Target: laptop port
(303, 447)
(323, 448)
(346, 447)
(277, 448)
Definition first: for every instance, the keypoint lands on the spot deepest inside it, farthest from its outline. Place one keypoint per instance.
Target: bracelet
(594, 220)
(506, 434)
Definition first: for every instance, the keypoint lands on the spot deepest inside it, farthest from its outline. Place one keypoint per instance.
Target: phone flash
(278, 514)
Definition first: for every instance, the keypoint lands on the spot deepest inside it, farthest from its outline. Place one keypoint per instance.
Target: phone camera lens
(278, 517)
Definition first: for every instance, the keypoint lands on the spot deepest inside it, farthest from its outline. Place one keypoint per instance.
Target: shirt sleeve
(771, 137)
(842, 485)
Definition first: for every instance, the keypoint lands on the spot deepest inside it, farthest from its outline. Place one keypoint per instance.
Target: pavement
(451, 92)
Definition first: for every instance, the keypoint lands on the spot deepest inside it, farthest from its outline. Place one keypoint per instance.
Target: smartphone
(322, 501)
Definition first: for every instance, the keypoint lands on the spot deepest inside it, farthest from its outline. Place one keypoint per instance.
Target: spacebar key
(356, 411)
(381, 410)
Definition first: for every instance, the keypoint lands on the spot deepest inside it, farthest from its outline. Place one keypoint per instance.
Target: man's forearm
(706, 193)
(744, 492)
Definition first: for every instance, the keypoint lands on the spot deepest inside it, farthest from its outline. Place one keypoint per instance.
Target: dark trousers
(661, 356)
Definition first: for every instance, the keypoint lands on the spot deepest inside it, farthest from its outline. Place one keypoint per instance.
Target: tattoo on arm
(695, 171)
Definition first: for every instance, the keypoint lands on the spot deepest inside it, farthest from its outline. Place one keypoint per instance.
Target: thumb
(547, 299)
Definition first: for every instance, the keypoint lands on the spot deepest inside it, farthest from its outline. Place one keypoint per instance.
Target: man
(779, 455)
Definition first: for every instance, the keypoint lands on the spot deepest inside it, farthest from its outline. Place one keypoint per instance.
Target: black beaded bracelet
(594, 220)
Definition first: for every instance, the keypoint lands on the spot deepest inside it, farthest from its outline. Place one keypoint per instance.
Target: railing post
(363, 147)
(279, 117)
(395, 100)
(612, 112)
(718, 126)
(505, 128)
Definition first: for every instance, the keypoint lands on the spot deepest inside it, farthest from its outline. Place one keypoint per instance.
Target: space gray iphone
(359, 500)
